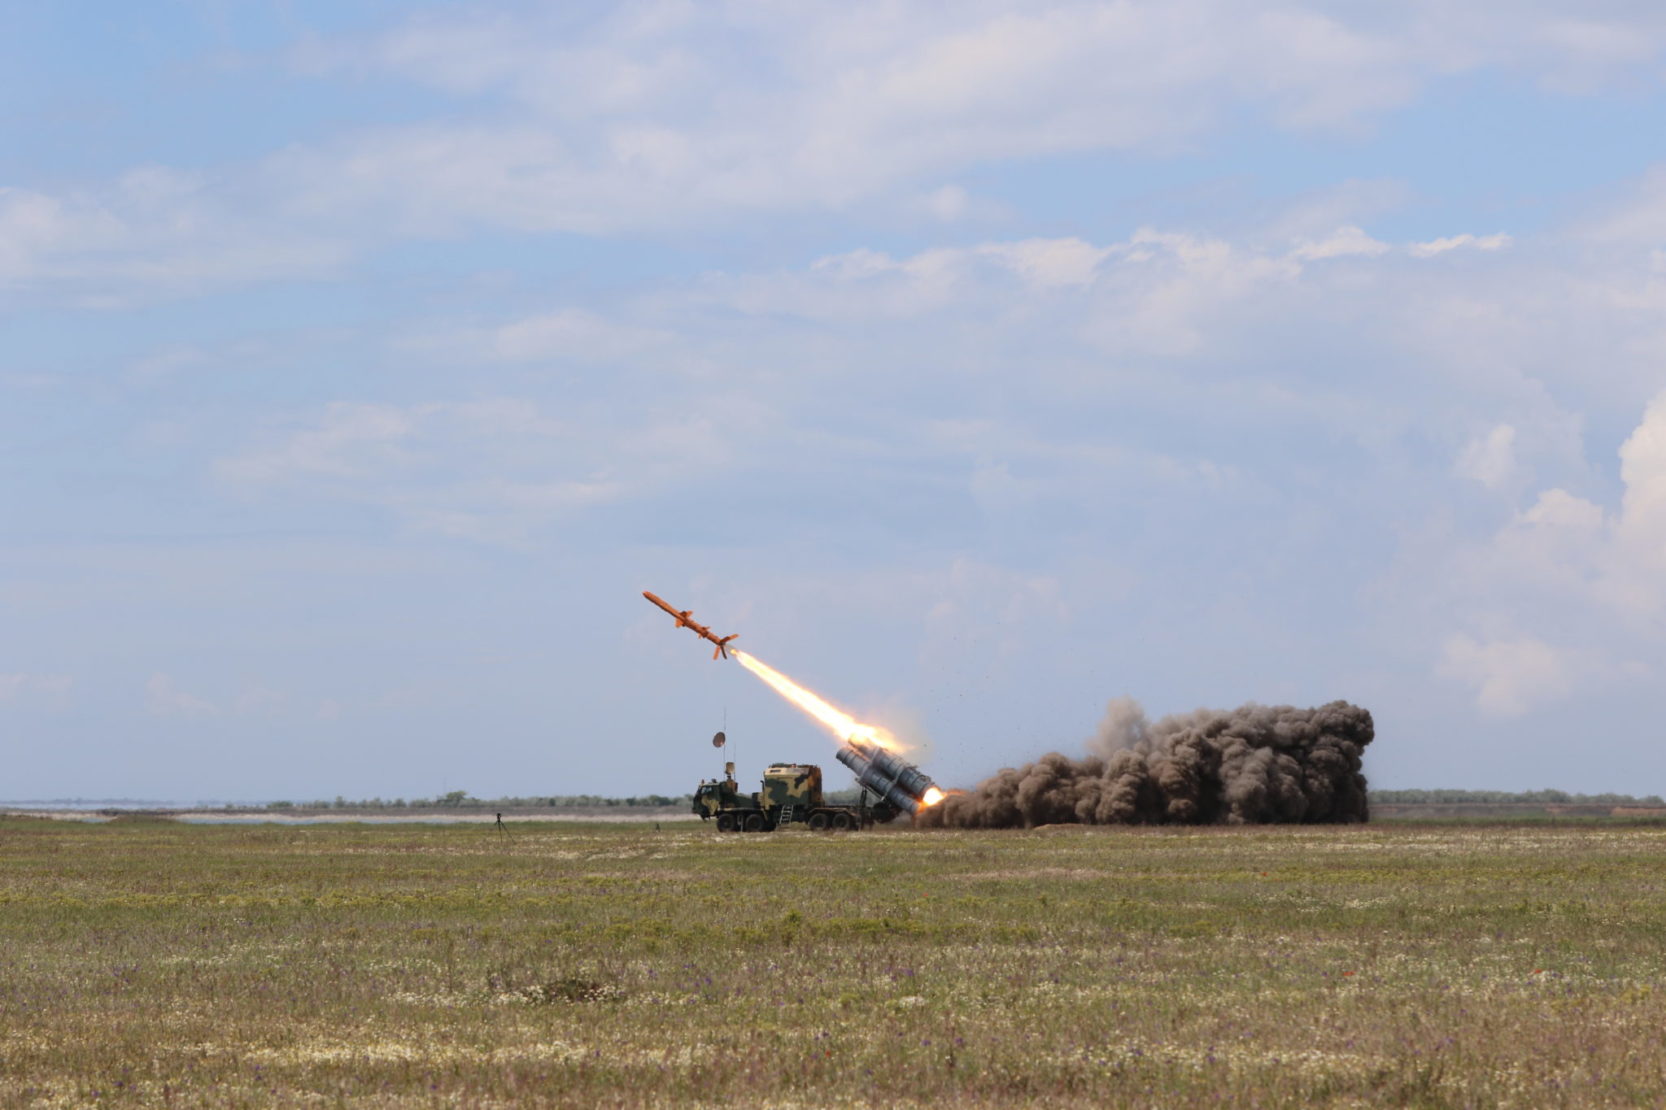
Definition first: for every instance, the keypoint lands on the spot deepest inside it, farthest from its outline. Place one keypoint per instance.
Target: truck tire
(754, 822)
(819, 820)
(726, 822)
(843, 821)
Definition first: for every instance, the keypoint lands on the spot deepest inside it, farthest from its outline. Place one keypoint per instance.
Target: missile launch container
(791, 794)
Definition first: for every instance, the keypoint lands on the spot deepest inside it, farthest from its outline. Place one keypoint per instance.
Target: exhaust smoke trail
(1255, 764)
(841, 724)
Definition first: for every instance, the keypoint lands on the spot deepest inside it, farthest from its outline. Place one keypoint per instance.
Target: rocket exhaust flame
(841, 724)
(871, 753)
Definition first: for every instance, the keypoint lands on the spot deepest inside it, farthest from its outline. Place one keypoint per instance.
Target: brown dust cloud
(1256, 764)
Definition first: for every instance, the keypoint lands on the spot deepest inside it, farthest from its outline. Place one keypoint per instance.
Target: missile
(699, 630)
(887, 774)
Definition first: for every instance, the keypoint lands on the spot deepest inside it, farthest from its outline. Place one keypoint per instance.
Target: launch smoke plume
(1255, 764)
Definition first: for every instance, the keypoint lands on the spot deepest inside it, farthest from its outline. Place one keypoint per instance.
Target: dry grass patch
(154, 963)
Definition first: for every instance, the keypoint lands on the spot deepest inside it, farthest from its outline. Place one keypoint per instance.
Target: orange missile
(700, 630)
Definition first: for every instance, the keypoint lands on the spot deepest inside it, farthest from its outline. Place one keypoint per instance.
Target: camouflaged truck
(791, 793)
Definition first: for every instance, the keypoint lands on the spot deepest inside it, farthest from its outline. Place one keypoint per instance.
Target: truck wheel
(725, 822)
(843, 821)
(754, 822)
(819, 821)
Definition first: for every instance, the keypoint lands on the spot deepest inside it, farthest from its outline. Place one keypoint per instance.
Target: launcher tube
(887, 774)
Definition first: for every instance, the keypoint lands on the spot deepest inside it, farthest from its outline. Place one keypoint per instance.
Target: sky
(361, 363)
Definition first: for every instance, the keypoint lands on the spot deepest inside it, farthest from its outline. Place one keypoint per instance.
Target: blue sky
(361, 363)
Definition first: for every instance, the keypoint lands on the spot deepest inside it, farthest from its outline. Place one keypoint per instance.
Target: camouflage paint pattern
(795, 784)
(784, 784)
(713, 798)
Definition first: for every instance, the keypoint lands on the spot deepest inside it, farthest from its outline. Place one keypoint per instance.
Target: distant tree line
(461, 799)
(1506, 797)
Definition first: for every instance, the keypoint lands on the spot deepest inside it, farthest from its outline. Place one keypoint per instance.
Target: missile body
(684, 620)
(885, 773)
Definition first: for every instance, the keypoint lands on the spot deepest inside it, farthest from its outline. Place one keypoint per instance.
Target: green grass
(152, 963)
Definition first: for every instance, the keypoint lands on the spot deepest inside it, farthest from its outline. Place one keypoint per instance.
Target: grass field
(147, 962)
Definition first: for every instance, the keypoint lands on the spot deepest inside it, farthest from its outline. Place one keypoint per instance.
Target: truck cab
(720, 795)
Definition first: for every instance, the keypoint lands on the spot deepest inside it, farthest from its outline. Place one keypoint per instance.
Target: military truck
(791, 794)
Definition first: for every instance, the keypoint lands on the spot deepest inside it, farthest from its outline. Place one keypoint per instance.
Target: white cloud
(1160, 283)
(1616, 559)
(1490, 459)
(21, 687)
(650, 116)
(867, 94)
(1637, 219)
(165, 699)
(1051, 76)
(1433, 247)
(1171, 290)
(1640, 531)
(1560, 510)
(1050, 263)
(948, 204)
(743, 370)
(1341, 243)
(977, 603)
(348, 440)
(575, 333)
(1582, 50)
(493, 470)
(154, 231)
(1590, 582)
(1510, 676)
(777, 392)
(256, 701)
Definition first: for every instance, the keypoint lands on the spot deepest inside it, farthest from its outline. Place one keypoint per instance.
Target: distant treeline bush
(1505, 797)
(460, 799)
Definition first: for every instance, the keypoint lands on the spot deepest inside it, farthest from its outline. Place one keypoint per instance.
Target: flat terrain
(312, 815)
(149, 962)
